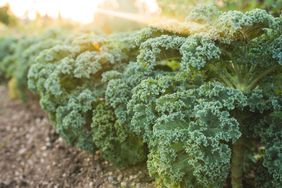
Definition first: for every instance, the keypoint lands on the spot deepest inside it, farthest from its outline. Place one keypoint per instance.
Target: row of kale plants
(201, 107)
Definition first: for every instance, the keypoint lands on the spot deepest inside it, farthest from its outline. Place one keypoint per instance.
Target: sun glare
(83, 11)
(77, 10)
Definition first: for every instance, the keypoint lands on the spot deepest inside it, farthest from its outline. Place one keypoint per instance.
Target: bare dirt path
(32, 155)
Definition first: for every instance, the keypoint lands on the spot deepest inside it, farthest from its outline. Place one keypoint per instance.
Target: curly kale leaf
(156, 49)
(270, 132)
(72, 119)
(197, 51)
(235, 26)
(114, 140)
(192, 134)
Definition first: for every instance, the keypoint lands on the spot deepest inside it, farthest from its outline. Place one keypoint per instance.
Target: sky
(77, 10)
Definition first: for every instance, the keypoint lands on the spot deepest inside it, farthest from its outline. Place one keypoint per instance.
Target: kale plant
(205, 102)
(71, 79)
(19, 54)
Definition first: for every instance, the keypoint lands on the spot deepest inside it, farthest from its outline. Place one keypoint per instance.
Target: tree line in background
(176, 9)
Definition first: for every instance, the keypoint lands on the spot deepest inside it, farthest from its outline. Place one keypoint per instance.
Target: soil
(33, 155)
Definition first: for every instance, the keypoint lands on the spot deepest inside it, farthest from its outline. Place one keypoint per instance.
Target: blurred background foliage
(110, 24)
(180, 8)
(105, 23)
(177, 9)
(6, 16)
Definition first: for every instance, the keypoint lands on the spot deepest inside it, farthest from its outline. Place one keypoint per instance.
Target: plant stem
(252, 85)
(237, 163)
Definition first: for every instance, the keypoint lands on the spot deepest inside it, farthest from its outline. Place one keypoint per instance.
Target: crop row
(202, 107)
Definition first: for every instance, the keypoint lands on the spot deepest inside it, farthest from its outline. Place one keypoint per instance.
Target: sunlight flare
(159, 21)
